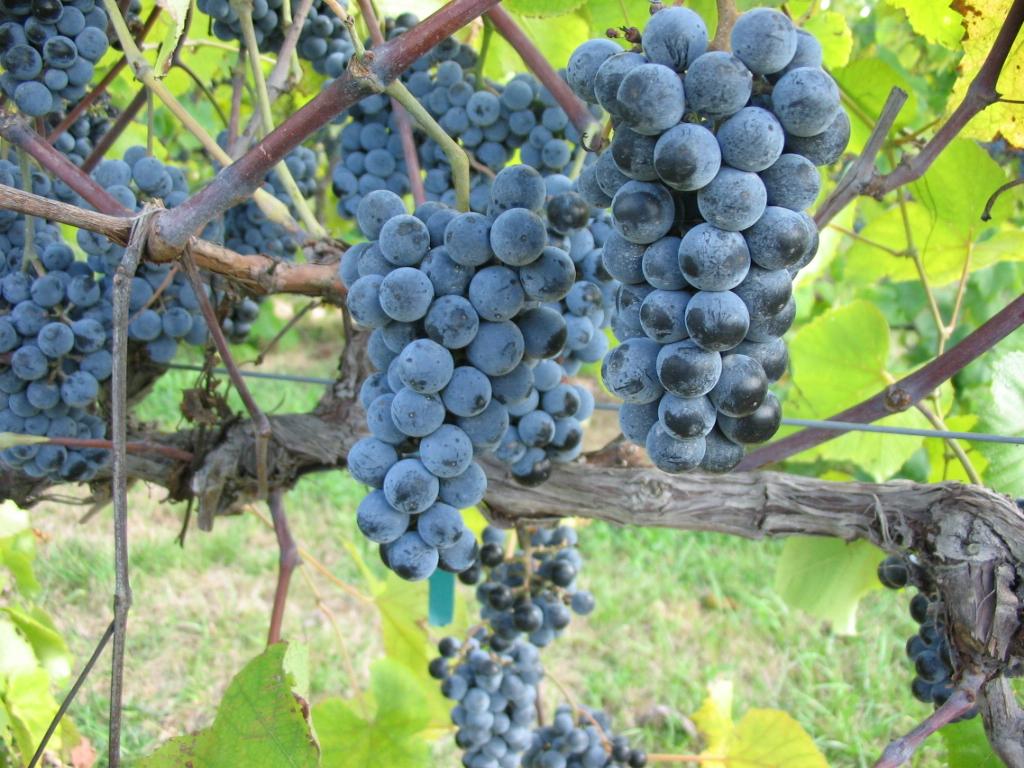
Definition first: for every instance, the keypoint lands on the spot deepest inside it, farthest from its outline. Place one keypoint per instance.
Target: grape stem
(288, 559)
(456, 156)
(905, 392)
(727, 16)
(259, 274)
(538, 64)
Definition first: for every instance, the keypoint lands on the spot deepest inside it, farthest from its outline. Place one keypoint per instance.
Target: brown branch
(288, 559)
(727, 16)
(259, 274)
(904, 393)
(538, 63)
(981, 93)
(371, 74)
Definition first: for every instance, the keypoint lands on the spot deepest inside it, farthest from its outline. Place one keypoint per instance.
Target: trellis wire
(836, 426)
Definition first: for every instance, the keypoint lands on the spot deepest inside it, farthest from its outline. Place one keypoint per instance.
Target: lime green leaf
(16, 554)
(175, 11)
(296, 664)
(827, 578)
(936, 22)
(555, 38)
(983, 20)
(16, 653)
(942, 465)
(259, 723)
(603, 15)
(867, 83)
(1003, 413)
(541, 8)
(961, 209)
(833, 32)
(31, 707)
(714, 718)
(392, 735)
(770, 738)
(967, 746)
(47, 644)
(13, 519)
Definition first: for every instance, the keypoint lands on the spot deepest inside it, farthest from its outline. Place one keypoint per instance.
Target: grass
(676, 611)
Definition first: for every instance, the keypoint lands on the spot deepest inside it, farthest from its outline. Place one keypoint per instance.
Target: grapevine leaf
(983, 20)
(937, 23)
(13, 519)
(834, 35)
(31, 707)
(555, 38)
(1003, 413)
(47, 644)
(967, 746)
(962, 159)
(392, 736)
(823, 386)
(16, 554)
(16, 655)
(827, 578)
(714, 718)
(770, 738)
(176, 11)
(541, 8)
(259, 723)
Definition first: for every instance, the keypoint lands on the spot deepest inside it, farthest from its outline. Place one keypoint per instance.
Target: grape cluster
(532, 591)
(54, 345)
(708, 175)
(455, 301)
(496, 698)
(48, 50)
(324, 40)
(928, 650)
(164, 307)
(585, 743)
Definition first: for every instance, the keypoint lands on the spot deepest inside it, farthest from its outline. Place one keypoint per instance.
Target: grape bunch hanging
(709, 173)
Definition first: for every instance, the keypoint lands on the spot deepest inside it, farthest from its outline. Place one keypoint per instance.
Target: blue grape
(629, 371)
(675, 37)
(405, 294)
(369, 460)
(671, 454)
(79, 389)
(518, 236)
(741, 388)
(662, 315)
(718, 84)
(378, 520)
(733, 200)
(465, 490)
(650, 99)
(409, 487)
(791, 182)
(826, 147)
(764, 39)
(487, 427)
(446, 452)
(751, 140)
(584, 63)
(416, 414)
(806, 101)
(550, 277)
(440, 525)
(467, 239)
(713, 259)
(721, 454)
(404, 240)
(687, 157)
(55, 340)
(411, 557)
(496, 293)
(363, 302)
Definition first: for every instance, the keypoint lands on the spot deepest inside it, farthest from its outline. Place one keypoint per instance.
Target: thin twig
(288, 558)
(986, 215)
(284, 331)
(132, 446)
(70, 697)
(936, 421)
(119, 487)
(260, 422)
(106, 141)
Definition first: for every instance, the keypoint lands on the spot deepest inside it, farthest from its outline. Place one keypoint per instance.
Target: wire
(835, 426)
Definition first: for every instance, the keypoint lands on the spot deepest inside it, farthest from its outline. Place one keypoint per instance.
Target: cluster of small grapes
(324, 40)
(585, 743)
(48, 49)
(54, 345)
(533, 591)
(710, 170)
(928, 650)
(496, 698)
(78, 141)
(164, 307)
(455, 301)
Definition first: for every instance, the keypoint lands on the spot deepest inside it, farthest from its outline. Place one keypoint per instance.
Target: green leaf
(603, 15)
(541, 8)
(838, 360)
(942, 190)
(47, 644)
(392, 735)
(31, 707)
(984, 19)
(867, 82)
(936, 22)
(17, 554)
(1003, 413)
(259, 723)
(555, 38)
(13, 519)
(176, 11)
(833, 32)
(942, 466)
(16, 654)
(967, 746)
(827, 578)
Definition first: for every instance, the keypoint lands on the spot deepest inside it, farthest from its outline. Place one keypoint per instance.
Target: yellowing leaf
(827, 578)
(714, 718)
(983, 20)
(934, 20)
(770, 738)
